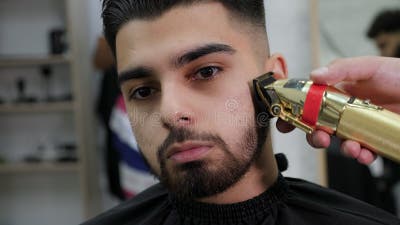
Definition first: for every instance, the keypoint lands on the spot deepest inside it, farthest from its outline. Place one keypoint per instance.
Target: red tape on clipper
(312, 104)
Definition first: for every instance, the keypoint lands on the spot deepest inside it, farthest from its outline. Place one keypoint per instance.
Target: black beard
(195, 180)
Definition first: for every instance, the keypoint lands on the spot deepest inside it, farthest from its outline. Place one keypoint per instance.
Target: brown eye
(143, 93)
(206, 73)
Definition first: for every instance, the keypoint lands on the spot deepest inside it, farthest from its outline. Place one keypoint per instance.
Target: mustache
(179, 135)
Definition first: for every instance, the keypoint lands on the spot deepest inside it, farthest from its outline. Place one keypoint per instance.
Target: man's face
(185, 79)
(388, 43)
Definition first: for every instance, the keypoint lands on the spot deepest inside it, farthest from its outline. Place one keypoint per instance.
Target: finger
(386, 96)
(284, 127)
(319, 139)
(366, 157)
(351, 148)
(350, 69)
(392, 107)
(374, 78)
(377, 90)
(310, 141)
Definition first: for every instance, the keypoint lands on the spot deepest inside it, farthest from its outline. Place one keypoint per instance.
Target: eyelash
(215, 71)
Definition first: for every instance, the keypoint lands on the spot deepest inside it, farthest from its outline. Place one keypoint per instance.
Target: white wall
(288, 26)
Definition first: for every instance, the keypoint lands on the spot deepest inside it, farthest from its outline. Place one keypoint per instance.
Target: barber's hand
(373, 78)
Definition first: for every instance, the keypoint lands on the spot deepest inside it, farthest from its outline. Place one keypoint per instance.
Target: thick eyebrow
(187, 57)
(201, 51)
(135, 73)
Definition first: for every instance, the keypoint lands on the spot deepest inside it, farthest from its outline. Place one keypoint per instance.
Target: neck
(260, 176)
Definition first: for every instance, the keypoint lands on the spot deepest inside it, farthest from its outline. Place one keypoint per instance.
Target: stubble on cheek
(148, 135)
(236, 114)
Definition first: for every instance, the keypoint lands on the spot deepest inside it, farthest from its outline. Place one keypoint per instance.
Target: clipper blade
(262, 97)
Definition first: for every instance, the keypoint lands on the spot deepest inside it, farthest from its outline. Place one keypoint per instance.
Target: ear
(277, 64)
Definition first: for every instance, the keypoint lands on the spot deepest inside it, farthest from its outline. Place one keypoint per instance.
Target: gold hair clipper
(310, 106)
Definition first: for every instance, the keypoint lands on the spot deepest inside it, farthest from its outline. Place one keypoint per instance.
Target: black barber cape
(288, 202)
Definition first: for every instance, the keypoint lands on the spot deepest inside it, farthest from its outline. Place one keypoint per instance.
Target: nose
(182, 118)
(176, 108)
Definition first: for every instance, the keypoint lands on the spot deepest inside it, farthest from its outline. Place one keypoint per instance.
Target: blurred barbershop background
(66, 149)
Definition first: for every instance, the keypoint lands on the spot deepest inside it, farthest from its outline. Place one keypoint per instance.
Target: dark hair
(386, 21)
(118, 12)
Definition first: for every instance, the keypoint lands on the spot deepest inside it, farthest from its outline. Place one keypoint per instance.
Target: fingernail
(320, 71)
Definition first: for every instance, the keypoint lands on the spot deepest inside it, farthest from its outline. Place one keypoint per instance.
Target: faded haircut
(116, 13)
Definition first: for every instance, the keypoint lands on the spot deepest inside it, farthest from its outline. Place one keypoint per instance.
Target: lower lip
(190, 155)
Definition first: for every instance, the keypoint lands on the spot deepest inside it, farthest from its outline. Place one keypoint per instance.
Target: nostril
(177, 121)
(185, 118)
(182, 117)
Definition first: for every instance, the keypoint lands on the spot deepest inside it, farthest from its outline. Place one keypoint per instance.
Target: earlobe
(277, 64)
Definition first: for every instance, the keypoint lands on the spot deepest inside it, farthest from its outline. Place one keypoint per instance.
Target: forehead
(178, 29)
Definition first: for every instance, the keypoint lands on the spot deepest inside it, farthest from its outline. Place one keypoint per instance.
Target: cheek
(234, 116)
(143, 125)
(239, 108)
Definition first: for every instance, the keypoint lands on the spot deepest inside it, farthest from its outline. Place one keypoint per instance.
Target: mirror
(343, 27)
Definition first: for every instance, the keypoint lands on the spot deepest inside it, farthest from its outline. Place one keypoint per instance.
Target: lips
(188, 151)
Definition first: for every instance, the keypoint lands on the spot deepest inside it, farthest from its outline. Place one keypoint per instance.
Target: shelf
(36, 107)
(19, 61)
(38, 167)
